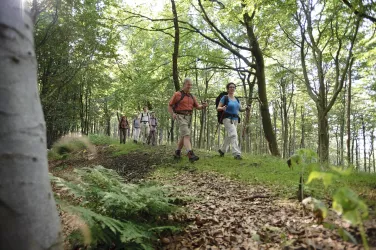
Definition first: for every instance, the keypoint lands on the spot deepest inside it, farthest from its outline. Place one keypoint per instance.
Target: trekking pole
(247, 117)
(248, 114)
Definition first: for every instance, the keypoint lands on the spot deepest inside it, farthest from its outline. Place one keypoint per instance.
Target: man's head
(187, 85)
(152, 114)
(145, 109)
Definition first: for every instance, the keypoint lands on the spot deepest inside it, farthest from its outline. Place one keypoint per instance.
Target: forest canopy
(305, 67)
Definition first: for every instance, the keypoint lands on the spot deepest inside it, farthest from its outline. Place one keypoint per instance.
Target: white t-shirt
(144, 117)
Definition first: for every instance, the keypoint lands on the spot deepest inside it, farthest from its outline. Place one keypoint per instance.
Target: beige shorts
(184, 123)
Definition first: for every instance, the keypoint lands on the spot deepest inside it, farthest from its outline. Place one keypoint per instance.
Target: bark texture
(28, 215)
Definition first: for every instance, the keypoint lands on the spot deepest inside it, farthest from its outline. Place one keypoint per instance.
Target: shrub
(69, 145)
(126, 215)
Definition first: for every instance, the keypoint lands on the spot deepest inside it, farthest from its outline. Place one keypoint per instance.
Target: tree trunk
(364, 144)
(261, 82)
(172, 130)
(28, 215)
(323, 134)
(175, 55)
(342, 129)
(194, 128)
(349, 112)
(357, 153)
(373, 150)
(337, 145)
(295, 110)
(302, 139)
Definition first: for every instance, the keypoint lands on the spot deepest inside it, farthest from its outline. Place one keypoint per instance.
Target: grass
(263, 170)
(117, 149)
(274, 173)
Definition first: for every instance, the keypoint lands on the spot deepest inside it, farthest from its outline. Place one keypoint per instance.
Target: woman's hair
(228, 85)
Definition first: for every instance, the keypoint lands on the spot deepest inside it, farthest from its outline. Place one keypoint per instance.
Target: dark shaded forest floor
(223, 213)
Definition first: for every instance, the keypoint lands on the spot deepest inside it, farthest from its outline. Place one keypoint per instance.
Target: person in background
(145, 125)
(153, 129)
(181, 107)
(123, 128)
(136, 129)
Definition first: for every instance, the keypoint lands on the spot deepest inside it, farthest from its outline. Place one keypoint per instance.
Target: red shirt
(186, 104)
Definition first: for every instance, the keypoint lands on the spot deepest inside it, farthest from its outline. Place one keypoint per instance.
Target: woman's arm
(221, 107)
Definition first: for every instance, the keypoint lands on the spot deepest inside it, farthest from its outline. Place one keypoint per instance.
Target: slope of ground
(231, 215)
(236, 204)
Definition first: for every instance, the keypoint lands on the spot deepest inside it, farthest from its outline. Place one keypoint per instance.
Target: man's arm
(171, 103)
(171, 111)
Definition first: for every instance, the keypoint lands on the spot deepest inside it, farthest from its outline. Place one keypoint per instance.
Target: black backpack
(221, 114)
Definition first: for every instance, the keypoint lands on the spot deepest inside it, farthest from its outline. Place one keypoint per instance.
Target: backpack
(221, 114)
(183, 94)
(124, 124)
(156, 122)
(142, 115)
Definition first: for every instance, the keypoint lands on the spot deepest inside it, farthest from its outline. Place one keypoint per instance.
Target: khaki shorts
(184, 123)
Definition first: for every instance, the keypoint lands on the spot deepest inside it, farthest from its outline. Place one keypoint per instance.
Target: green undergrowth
(116, 214)
(273, 173)
(117, 149)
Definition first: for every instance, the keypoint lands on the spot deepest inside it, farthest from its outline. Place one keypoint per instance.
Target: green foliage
(348, 203)
(345, 201)
(102, 139)
(124, 214)
(327, 178)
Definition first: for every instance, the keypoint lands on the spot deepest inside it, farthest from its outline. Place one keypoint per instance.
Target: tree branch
(358, 13)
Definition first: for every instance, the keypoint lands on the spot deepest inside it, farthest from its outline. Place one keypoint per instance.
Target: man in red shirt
(181, 107)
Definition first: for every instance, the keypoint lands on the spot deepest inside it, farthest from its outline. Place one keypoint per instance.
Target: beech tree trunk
(175, 73)
(302, 139)
(349, 113)
(364, 144)
(261, 82)
(28, 215)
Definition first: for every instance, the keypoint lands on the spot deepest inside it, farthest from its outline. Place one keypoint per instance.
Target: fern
(118, 213)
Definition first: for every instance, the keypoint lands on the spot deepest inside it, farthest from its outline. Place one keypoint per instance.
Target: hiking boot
(238, 157)
(192, 157)
(221, 154)
(177, 154)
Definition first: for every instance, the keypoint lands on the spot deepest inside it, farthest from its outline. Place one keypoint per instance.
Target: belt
(188, 112)
(145, 121)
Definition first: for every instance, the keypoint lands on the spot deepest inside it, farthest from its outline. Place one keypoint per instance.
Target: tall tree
(28, 215)
(331, 59)
(175, 55)
(219, 37)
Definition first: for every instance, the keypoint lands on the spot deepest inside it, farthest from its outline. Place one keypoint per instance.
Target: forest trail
(231, 215)
(223, 213)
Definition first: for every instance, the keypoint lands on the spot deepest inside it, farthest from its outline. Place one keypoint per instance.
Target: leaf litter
(231, 215)
(225, 213)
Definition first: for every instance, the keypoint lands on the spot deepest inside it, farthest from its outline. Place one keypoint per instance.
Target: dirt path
(226, 214)
(231, 215)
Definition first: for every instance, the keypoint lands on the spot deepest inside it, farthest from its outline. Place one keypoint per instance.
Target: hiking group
(181, 107)
(144, 128)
